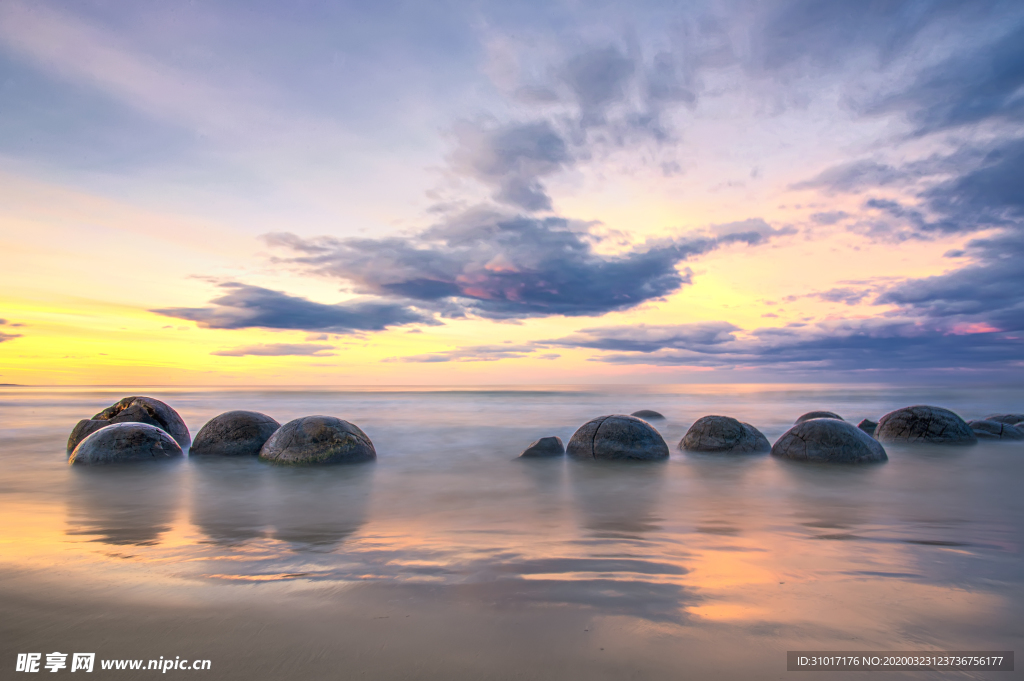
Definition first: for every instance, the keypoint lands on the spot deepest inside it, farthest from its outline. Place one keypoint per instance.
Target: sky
(220, 192)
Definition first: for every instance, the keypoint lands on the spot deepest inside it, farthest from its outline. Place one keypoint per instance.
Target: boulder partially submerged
(647, 414)
(135, 409)
(988, 429)
(546, 447)
(125, 443)
(828, 440)
(723, 435)
(818, 415)
(619, 437)
(924, 424)
(868, 426)
(318, 440)
(234, 433)
(1012, 419)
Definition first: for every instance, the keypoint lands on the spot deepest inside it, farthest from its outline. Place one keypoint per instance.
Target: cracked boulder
(818, 415)
(619, 437)
(924, 424)
(989, 429)
(647, 414)
(317, 440)
(234, 433)
(828, 440)
(136, 409)
(125, 443)
(723, 435)
(1012, 419)
(545, 447)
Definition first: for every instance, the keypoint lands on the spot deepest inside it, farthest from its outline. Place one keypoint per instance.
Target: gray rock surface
(544, 448)
(617, 437)
(994, 430)
(135, 409)
(234, 433)
(318, 440)
(124, 443)
(828, 440)
(647, 414)
(924, 424)
(818, 415)
(723, 435)
(1006, 418)
(868, 426)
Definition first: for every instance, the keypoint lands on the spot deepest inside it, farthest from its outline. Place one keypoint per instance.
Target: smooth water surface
(448, 558)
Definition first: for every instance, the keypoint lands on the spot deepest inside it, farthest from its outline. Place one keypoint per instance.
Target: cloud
(853, 177)
(247, 306)
(4, 337)
(646, 338)
(840, 346)
(278, 350)
(978, 85)
(475, 353)
(597, 78)
(512, 159)
(502, 266)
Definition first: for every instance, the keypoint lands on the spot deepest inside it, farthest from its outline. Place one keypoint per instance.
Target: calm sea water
(449, 558)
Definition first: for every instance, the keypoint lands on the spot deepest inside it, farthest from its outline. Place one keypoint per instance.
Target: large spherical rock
(123, 443)
(995, 430)
(818, 415)
(318, 440)
(544, 448)
(1006, 418)
(617, 437)
(647, 414)
(234, 433)
(723, 435)
(924, 424)
(828, 440)
(135, 409)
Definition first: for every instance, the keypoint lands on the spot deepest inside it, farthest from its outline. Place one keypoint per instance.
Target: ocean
(449, 558)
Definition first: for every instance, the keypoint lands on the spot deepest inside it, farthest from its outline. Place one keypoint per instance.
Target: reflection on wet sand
(617, 500)
(229, 498)
(124, 505)
(318, 508)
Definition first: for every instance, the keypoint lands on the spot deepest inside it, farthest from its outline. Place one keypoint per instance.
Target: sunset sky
(340, 193)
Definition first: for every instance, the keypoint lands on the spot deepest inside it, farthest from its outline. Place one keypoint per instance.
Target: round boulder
(828, 440)
(723, 435)
(124, 443)
(995, 430)
(544, 448)
(868, 426)
(1006, 418)
(818, 415)
(317, 440)
(234, 433)
(617, 437)
(924, 424)
(647, 414)
(135, 409)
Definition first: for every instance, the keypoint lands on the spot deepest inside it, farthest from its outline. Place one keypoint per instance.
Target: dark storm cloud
(512, 159)
(247, 306)
(278, 350)
(507, 267)
(846, 346)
